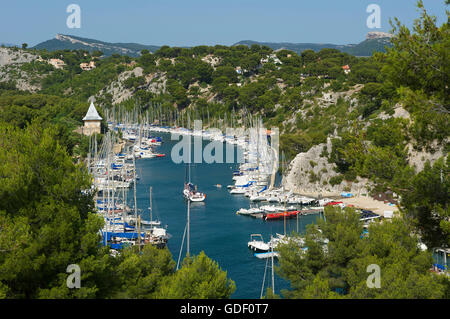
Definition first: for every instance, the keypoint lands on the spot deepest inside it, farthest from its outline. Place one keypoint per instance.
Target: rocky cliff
(310, 174)
(11, 60)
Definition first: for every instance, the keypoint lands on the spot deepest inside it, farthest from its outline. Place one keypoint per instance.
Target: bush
(313, 177)
(350, 176)
(336, 180)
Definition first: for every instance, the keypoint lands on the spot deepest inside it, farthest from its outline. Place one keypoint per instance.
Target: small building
(346, 69)
(57, 63)
(87, 66)
(92, 121)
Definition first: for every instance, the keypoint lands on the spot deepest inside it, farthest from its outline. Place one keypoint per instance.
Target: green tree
(142, 275)
(333, 259)
(199, 277)
(426, 202)
(45, 217)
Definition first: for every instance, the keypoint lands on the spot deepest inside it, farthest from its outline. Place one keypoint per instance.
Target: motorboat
(257, 243)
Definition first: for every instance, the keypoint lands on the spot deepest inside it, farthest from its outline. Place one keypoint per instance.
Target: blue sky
(210, 22)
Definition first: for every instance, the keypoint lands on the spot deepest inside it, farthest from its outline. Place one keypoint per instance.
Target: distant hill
(296, 47)
(375, 42)
(368, 47)
(8, 44)
(63, 42)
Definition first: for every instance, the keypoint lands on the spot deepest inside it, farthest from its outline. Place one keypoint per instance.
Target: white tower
(92, 121)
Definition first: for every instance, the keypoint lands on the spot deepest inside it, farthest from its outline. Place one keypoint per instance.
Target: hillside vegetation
(382, 117)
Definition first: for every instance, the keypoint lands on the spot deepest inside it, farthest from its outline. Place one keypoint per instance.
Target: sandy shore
(362, 202)
(369, 203)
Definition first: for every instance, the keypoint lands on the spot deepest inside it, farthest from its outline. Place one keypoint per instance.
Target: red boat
(160, 155)
(333, 203)
(290, 214)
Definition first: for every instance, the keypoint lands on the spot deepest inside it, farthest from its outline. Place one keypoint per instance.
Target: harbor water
(215, 227)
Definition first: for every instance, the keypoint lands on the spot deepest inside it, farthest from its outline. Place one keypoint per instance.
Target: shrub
(336, 180)
(313, 177)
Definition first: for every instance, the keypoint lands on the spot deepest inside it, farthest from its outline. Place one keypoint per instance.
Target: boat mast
(264, 280)
(134, 177)
(273, 278)
(151, 210)
(139, 232)
(188, 226)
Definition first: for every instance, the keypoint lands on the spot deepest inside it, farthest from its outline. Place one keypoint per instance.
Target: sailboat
(151, 222)
(190, 191)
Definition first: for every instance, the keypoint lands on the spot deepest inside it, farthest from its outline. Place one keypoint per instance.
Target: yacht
(190, 192)
(257, 243)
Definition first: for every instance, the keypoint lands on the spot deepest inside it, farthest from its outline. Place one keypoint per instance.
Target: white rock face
(399, 112)
(301, 168)
(378, 35)
(10, 62)
(117, 89)
(154, 82)
(418, 159)
(96, 45)
(9, 56)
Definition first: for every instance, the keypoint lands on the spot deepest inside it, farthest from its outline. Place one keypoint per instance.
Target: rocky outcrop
(10, 71)
(10, 56)
(117, 89)
(154, 82)
(309, 174)
(211, 60)
(378, 35)
(399, 112)
(418, 158)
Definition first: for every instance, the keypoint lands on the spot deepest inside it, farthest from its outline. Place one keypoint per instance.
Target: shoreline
(361, 202)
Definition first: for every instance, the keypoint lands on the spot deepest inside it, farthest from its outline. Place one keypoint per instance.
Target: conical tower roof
(92, 114)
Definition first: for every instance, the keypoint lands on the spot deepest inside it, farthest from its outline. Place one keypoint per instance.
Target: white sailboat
(151, 222)
(190, 191)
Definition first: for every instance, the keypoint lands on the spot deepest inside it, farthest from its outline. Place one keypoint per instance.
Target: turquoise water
(215, 227)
